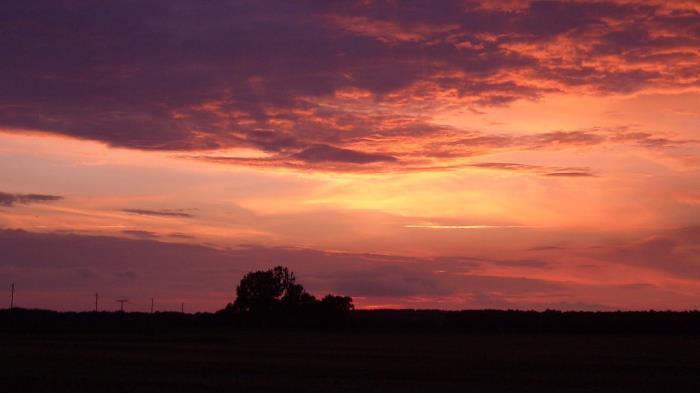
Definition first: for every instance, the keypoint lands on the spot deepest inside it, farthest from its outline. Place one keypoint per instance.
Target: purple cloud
(140, 233)
(71, 267)
(52, 261)
(9, 199)
(325, 153)
(159, 213)
(271, 75)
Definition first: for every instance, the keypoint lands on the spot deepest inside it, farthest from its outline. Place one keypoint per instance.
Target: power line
(121, 304)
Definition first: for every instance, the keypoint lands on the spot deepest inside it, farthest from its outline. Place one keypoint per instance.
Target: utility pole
(121, 304)
(152, 305)
(182, 308)
(12, 296)
(97, 296)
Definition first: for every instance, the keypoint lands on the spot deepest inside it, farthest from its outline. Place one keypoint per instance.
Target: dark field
(348, 362)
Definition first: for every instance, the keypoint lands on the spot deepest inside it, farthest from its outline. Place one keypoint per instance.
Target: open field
(347, 362)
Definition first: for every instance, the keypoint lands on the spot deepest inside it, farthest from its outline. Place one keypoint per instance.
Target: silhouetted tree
(273, 298)
(263, 291)
(296, 296)
(337, 304)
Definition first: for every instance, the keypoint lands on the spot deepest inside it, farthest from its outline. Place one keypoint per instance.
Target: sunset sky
(410, 154)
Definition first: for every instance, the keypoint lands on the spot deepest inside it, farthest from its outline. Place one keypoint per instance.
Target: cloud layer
(51, 268)
(331, 85)
(66, 263)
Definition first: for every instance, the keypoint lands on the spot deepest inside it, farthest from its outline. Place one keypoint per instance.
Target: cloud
(437, 226)
(532, 263)
(508, 166)
(140, 233)
(572, 139)
(50, 262)
(447, 148)
(566, 138)
(9, 199)
(570, 174)
(159, 213)
(675, 252)
(325, 153)
(648, 140)
(537, 169)
(330, 82)
(128, 275)
(178, 235)
(68, 266)
(385, 281)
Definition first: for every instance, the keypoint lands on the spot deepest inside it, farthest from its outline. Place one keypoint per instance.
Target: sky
(410, 154)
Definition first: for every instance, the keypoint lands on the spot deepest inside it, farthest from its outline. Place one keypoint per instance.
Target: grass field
(348, 362)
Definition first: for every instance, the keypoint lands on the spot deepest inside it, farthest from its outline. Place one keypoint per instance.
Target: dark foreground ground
(240, 361)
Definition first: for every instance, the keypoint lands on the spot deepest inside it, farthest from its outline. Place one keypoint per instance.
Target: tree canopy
(275, 292)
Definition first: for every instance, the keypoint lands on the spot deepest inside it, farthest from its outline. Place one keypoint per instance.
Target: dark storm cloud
(10, 199)
(180, 75)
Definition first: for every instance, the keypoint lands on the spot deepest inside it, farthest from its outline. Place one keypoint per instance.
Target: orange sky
(536, 155)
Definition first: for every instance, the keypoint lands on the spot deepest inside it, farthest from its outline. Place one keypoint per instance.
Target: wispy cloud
(551, 171)
(9, 199)
(140, 233)
(433, 226)
(570, 174)
(159, 213)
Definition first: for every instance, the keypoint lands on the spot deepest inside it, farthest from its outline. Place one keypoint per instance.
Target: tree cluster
(274, 296)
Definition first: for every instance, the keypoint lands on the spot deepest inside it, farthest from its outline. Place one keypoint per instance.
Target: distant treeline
(272, 299)
(23, 321)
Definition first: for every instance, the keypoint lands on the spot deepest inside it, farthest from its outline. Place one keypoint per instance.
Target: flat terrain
(348, 362)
